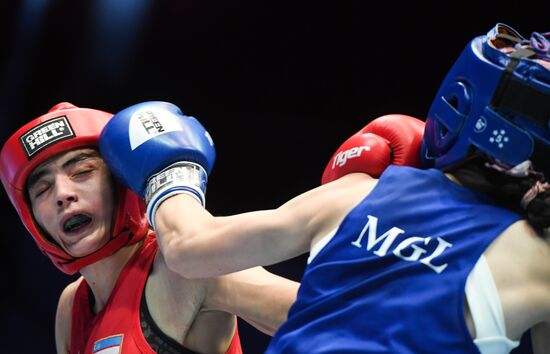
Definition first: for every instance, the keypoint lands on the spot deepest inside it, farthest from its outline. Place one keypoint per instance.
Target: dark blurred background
(279, 85)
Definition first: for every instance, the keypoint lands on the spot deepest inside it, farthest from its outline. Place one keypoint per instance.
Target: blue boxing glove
(155, 150)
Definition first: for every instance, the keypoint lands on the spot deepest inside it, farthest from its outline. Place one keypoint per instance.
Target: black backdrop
(279, 85)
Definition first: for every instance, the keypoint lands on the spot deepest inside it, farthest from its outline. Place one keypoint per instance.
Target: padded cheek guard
(65, 127)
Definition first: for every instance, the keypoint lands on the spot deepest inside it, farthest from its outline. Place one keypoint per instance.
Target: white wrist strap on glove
(180, 177)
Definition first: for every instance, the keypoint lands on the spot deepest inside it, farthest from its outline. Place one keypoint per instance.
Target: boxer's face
(72, 199)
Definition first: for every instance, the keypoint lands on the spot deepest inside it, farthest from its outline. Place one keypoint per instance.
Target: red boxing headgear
(63, 128)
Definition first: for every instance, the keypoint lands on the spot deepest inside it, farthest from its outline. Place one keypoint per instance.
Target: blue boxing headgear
(493, 104)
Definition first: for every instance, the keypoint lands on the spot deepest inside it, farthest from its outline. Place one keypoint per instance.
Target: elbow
(179, 259)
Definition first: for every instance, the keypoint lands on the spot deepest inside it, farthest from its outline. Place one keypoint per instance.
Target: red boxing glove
(390, 139)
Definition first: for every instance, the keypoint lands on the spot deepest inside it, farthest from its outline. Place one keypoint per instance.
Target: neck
(102, 275)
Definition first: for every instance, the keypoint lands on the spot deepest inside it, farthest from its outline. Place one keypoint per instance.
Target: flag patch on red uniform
(109, 345)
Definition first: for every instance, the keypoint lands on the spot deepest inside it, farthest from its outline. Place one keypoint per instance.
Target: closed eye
(82, 173)
(39, 188)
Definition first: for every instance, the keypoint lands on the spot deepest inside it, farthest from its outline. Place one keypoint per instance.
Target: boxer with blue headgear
(436, 260)
(493, 109)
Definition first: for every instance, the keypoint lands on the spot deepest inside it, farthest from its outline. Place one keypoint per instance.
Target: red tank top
(117, 327)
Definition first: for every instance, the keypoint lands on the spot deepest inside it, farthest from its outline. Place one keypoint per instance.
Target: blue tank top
(392, 278)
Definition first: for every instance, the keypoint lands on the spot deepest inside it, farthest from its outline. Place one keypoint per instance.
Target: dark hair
(506, 190)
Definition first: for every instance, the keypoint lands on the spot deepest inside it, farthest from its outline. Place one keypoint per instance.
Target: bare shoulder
(176, 305)
(532, 247)
(340, 194)
(348, 184)
(63, 317)
(173, 300)
(528, 250)
(333, 201)
(518, 259)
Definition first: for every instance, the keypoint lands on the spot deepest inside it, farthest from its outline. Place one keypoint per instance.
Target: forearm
(267, 317)
(196, 244)
(261, 298)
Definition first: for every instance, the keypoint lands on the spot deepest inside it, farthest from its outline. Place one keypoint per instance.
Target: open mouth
(76, 222)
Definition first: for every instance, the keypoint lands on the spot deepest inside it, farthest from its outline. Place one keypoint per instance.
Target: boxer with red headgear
(452, 259)
(126, 300)
(65, 127)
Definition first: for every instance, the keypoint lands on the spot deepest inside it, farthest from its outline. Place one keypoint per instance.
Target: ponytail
(528, 195)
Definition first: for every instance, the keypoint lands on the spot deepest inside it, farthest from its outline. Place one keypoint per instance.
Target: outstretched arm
(197, 244)
(257, 296)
